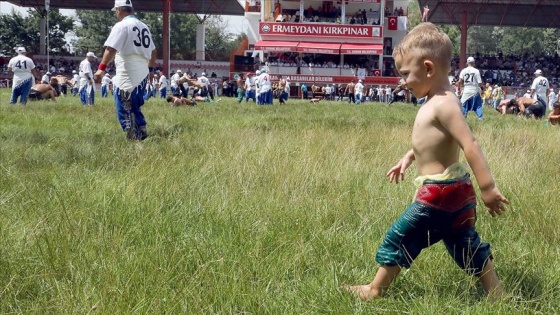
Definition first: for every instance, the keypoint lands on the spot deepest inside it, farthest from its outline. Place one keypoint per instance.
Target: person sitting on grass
(177, 100)
(445, 204)
(554, 116)
(42, 91)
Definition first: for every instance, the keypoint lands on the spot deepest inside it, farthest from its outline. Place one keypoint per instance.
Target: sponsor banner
(330, 79)
(315, 30)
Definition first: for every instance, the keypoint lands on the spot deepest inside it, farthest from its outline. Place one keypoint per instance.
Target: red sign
(322, 30)
(327, 79)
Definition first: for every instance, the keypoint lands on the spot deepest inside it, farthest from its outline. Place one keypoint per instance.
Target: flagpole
(47, 6)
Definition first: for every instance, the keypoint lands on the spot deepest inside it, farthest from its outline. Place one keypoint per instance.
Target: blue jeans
(475, 104)
(163, 93)
(250, 94)
(358, 98)
(104, 90)
(137, 100)
(85, 97)
(21, 91)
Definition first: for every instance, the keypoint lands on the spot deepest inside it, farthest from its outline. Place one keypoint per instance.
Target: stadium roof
(210, 7)
(526, 13)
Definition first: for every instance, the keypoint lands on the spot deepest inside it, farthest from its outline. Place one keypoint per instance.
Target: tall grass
(238, 209)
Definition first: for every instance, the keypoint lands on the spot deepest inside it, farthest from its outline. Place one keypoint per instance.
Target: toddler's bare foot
(364, 292)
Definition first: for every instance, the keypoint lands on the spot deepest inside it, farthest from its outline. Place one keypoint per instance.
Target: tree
(12, 33)
(219, 44)
(93, 29)
(17, 30)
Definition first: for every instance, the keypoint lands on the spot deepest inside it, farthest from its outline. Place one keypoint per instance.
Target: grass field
(239, 209)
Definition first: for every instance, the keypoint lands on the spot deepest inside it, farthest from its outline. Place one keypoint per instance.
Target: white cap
(74, 71)
(48, 73)
(470, 60)
(106, 74)
(21, 50)
(122, 3)
(179, 70)
(538, 71)
(203, 74)
(90, 54)
(360, 81)
(258, 72)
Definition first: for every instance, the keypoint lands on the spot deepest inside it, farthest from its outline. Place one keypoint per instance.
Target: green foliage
(512, 40)
(241, 209)
(16, 30)
(96, 26)
(93, 29)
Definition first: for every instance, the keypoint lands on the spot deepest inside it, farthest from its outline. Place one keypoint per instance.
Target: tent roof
(210, 7)
(526, 13)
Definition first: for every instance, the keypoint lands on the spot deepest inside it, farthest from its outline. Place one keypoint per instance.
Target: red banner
(319, 30)
(392, 23)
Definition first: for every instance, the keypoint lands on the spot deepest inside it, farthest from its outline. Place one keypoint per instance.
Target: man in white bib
(24, 73)
(132, 46)
(539, 88)
(470, 84)
(87, 86)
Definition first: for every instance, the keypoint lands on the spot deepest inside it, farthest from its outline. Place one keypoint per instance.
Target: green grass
(239, 209)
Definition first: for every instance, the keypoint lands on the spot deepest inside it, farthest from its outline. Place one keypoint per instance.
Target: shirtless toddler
(445, 204)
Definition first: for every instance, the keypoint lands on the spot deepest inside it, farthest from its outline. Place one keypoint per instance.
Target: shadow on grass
(170, 132)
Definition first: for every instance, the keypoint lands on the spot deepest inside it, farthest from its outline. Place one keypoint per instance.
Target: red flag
(392, 21)
(425, 14)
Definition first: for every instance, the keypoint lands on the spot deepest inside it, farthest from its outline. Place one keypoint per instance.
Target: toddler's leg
(490, 282)
(383, 279)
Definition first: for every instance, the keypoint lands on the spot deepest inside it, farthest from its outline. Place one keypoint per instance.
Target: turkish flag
(377, 73)
(392, 21)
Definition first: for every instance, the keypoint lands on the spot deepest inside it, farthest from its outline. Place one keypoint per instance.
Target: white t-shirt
(76, 79)
(471, 82)
(287, 86)
(203, 80)
(105, 81)
(134, 44)
(174, 79)
(162, 82)
(21, 66)
(85, 68)
(249, 84)
(359, 88)
(552, 97)
(540, 85)
(264, 81)
(257, 85)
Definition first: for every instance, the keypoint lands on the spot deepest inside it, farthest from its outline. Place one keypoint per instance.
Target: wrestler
(531, 108)
(179, 100)
(42, 91)
(508, 106)
(64, 84)
(554, 116)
